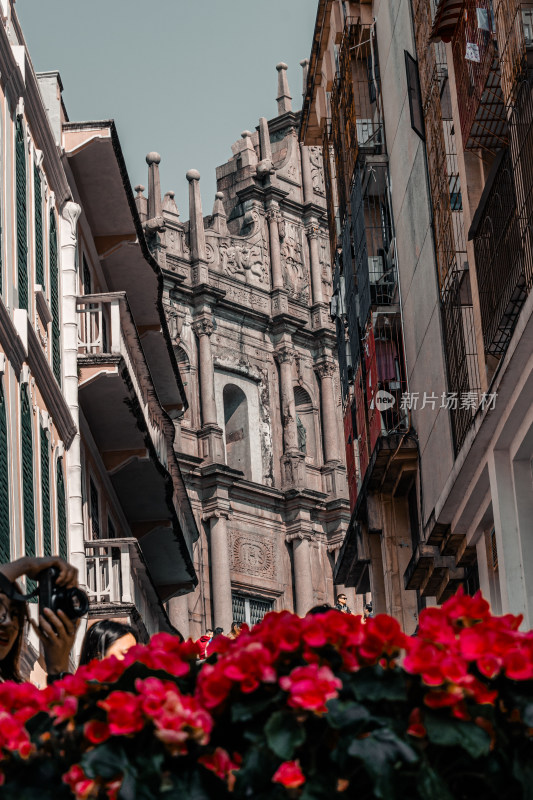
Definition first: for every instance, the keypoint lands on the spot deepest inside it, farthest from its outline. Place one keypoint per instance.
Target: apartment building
(89, 382)
(422, 112)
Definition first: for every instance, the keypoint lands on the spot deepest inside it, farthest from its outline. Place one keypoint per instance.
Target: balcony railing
(103, 320)
(117, 576)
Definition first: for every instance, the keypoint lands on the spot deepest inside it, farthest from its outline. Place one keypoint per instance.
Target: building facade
(247, 293)
(422, 112)
(89, 382)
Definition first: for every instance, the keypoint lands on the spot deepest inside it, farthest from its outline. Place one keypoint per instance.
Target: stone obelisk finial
(219, 216)
(154, 186)
(284, 98)
(305, 69)
(196, 220)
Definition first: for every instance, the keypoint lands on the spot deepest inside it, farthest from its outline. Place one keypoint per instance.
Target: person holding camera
(56, 629)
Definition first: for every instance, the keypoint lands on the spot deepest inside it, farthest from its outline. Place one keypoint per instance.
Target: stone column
(326, 372)
(275, 253)
(285, 358)
(76, 545)
(314, 258)
(303, 582)
(220, 569)
(203, 328)
(200, 272)
(307, 178)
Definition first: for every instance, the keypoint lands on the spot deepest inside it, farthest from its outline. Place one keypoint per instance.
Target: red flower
(518, 665)
(311, 687)
(221, 763)
(80, 785)
(96, 732)
(416, 725)
(124, 714)
(289, 775)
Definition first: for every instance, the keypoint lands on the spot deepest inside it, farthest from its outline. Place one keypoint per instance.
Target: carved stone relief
(317, 170)
(243, 258)
(294, 271)
(252, 555)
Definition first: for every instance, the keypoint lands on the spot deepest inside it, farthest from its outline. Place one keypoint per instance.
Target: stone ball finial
(139, 188)
(170, 194)
(153, 158)
(193, 175)
(219, 195)
(304, 63)
(246, 134)
(281, 66)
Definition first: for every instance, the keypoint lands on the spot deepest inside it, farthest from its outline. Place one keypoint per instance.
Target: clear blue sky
(183, 77)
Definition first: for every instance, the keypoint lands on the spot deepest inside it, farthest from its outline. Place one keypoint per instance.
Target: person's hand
(67, 574)
(57, 633)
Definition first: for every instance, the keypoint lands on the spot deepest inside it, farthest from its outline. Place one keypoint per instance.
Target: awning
(447, 17)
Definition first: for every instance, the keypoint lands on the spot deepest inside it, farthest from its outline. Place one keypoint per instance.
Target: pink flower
(80, 785)
(221, 763)
(289, 775)
(124, 714)
(311, 687)
(96, 732)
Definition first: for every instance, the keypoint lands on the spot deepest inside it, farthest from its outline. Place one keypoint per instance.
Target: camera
(73, 602)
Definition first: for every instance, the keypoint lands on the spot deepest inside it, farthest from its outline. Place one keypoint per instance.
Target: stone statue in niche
(243, 260)
(291, 251)
(302, 435)
(317, 170)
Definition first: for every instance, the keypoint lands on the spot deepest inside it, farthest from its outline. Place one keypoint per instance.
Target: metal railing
(109, 571)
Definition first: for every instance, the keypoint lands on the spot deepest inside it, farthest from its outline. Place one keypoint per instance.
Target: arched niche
(306, 423)
(184, 366)
(237, 429)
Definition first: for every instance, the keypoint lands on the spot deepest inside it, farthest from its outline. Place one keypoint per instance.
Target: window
(61, 511)
(27, 477)
(95, 511)
(415, 95)
(249, 609)
(39, 249)
(22, 234)
(45, 493)
(236, 429)
(5, 547)
(54, 300)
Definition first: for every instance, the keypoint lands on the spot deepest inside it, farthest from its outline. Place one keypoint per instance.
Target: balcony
(353, 563)
(119, 584)
(133, 436)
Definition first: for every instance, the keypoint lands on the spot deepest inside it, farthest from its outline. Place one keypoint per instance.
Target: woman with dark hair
(56, 631)
(107, 638)
(234, 630)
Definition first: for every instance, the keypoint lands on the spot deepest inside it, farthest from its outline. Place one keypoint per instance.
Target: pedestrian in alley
(341, 604)
(234, 630)
(368, 612)
(204, 641)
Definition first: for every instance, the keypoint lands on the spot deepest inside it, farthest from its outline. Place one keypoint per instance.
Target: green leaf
(243, 711)
(347, 714)
(448, 732)
(523, 772)
(375, 683)
(380, 753)
(284, 734)
(430, 784)
(105, 761)
(188, 785)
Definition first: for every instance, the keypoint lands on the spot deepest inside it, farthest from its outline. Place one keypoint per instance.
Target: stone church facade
(261, 446)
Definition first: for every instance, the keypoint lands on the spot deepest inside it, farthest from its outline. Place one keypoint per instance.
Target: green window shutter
(54, 300)
(22, 234)
(45, 493)
(61, 511)
(27, 479)
(39, 249)
(5, 548)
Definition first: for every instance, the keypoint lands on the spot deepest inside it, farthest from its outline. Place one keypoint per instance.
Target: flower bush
(311, 708)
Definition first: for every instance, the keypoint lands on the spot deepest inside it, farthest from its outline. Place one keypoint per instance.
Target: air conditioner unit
(365, 132)
(375, 269)
(527, 23)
